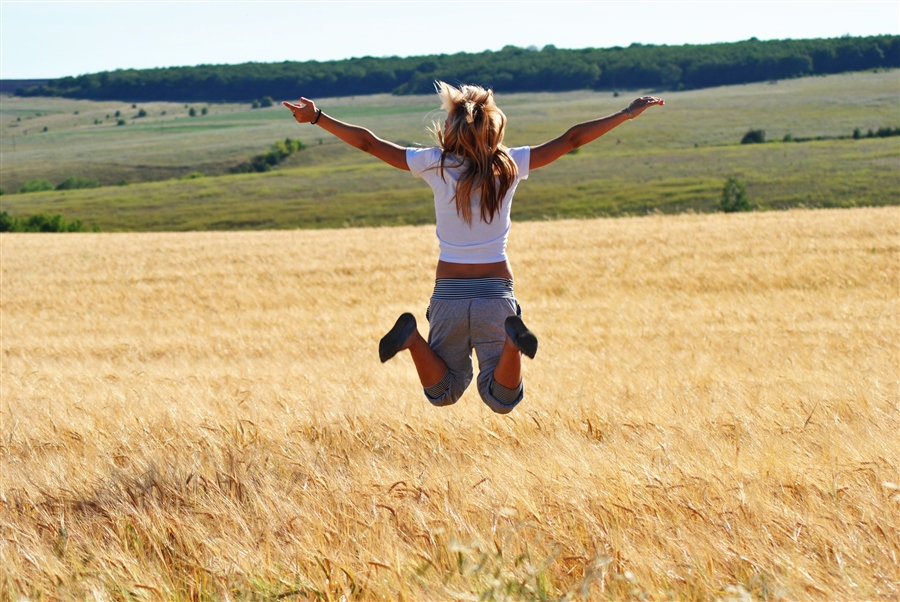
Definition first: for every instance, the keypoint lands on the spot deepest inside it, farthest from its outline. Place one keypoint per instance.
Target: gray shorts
(456, 327)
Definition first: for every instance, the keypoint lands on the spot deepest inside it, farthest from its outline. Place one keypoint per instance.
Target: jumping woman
(473, 176)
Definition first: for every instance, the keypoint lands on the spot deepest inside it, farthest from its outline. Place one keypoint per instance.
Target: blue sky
(55, 39)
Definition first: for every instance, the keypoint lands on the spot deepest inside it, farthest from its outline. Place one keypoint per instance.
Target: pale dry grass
(713, 413)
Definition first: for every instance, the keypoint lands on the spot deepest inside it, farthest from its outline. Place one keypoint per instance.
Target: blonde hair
(473, 136)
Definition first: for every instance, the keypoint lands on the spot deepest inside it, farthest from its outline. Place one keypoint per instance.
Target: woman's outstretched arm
(394, 155)
(581, 134)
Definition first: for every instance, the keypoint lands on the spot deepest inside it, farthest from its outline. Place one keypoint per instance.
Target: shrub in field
(40, 222)
(734, 197)
(882, 132)
(192, 112)
(142, 113)
(120, 122)
(36, 186)
(266, 101)
(887, 132)
(75, 182)
(287, 146)
(266, 161)
(754, 137)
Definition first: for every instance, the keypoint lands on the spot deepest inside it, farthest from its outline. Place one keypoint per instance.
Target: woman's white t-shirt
(478, 242)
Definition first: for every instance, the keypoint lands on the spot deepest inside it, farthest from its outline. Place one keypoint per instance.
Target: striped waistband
(473, 288)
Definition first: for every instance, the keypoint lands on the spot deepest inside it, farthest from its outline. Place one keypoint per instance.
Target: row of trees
(511, 69)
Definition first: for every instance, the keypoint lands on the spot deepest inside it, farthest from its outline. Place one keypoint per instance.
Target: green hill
(673, 159)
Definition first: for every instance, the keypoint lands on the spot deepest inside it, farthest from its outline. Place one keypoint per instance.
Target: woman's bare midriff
(500, 269)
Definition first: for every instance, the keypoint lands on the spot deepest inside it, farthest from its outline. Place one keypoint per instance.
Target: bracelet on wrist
(628, 110)
(318, 114)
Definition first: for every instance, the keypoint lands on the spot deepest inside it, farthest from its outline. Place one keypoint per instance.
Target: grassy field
(712, 415)
(673, 160)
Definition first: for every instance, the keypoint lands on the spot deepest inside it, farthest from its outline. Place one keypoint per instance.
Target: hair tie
(470, 109)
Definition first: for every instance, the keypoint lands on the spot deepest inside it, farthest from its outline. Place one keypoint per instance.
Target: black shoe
(523, 338)
(394, 340)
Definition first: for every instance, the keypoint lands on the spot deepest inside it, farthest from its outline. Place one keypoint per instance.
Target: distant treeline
(509, 70)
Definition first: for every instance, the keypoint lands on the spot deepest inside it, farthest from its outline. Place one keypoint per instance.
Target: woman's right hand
(304, 111)
(639, 105)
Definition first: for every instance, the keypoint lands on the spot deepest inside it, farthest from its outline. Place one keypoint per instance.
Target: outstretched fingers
(303, 111)
(638, 105)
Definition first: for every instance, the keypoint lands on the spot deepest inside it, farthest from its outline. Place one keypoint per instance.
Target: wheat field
(712, 415)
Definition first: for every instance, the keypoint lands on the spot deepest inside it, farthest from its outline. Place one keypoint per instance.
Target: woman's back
(480, 241)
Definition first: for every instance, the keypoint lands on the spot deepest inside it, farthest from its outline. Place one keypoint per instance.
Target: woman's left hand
(304, 111)
(639, 105)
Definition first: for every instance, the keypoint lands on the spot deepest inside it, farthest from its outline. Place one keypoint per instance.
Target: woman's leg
(405, 335)
(430, 367)
(508, 371)
(499, 357)
(519, 340)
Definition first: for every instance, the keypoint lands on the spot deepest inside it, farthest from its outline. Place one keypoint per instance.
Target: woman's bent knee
(444, 393)
(501, 399)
